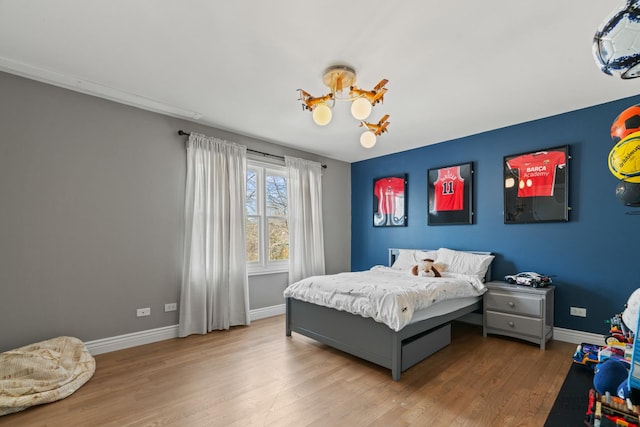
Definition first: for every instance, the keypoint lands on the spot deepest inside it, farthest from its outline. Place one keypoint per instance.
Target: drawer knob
(512, 304)
(510, 323)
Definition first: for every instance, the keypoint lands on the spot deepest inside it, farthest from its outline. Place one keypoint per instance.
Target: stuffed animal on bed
(428, 268)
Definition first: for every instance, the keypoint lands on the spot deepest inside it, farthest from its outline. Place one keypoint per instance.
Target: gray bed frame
(371, 340)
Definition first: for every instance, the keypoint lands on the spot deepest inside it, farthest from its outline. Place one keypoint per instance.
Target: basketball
(626, 123)
(624, 158)
(628, 193)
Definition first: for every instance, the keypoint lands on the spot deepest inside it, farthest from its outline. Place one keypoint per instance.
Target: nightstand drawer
(530, 305)
(514, 323)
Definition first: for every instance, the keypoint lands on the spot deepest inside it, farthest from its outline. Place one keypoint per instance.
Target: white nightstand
(519, 311)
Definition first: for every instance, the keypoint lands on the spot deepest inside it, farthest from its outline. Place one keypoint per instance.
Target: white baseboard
(134, 339)
(577, 337)
(263, 313)
(120, 342)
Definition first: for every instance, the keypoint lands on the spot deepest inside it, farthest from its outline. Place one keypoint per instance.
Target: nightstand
(518, 311)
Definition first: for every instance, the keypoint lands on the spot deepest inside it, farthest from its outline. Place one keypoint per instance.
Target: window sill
(263, 272)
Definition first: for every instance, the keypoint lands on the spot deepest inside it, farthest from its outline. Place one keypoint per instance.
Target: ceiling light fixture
(336, 78)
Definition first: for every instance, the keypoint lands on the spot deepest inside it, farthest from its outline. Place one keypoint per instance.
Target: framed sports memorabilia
(450, 195)
(536, 186)
(390, 201)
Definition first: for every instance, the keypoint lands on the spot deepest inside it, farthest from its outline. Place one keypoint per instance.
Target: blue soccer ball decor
(616, 44)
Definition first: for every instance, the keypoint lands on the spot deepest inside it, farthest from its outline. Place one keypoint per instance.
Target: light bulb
(360, 108)
(322, 114)
(368, 139)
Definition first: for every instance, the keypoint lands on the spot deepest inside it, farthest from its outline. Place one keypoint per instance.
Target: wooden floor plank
(256, 376)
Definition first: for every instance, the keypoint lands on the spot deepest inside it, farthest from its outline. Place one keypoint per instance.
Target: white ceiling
(454, 68)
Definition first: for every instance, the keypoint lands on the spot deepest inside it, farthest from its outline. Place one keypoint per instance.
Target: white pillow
(465, 262)
(422, 255)
(405, 259)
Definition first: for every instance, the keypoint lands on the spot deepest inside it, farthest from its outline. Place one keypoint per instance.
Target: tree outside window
(267, 226)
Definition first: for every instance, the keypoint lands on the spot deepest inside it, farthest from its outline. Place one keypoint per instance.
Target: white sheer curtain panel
(214, 291)
(306, 241)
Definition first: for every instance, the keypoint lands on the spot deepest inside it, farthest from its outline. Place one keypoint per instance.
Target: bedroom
(93, 190)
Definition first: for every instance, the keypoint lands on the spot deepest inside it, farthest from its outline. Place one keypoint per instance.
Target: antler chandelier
(336, 78)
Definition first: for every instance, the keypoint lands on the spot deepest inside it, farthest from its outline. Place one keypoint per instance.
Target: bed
(395, 344)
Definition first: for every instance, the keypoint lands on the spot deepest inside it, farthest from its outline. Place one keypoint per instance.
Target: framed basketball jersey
(450, 195)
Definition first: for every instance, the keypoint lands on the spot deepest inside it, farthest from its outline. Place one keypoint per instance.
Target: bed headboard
(394, 252)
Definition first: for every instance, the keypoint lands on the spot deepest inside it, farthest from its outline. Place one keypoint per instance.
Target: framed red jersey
(390, 201)
(536, 186)
(450, 195)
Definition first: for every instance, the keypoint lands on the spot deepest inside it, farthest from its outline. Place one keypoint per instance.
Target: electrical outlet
(143, 312)
(578, 311)
(171, 307)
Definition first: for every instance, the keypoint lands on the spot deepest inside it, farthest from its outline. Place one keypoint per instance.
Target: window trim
(263, 265)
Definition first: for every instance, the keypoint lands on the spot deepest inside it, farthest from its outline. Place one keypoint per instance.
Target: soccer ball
(626, 123)
(616, 44)
(628, 193)
(624, 158)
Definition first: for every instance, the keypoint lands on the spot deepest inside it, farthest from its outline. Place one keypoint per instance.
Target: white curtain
(214, 291)
(306, 241)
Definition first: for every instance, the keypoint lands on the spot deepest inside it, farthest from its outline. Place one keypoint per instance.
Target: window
(266, 215)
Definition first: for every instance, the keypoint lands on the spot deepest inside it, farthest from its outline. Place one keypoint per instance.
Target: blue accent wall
(592, 258)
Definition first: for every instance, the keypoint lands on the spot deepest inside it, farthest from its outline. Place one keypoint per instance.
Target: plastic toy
(616, 351)
(619, 333)
(587, 354)
(528, 278)
(609, 410)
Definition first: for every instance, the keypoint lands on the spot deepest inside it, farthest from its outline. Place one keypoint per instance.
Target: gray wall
(91, 200)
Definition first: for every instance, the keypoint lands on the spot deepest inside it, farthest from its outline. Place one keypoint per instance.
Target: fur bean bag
(43, 372)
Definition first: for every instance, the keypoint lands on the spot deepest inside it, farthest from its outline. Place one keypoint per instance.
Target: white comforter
(388, 296)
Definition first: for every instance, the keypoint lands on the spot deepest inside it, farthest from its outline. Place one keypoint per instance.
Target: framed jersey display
(390, 201)
(450, 195)
(536, 186)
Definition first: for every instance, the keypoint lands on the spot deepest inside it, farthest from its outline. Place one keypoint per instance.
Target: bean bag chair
(43, 372)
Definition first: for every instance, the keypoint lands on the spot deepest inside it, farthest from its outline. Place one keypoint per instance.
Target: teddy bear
(428, 268)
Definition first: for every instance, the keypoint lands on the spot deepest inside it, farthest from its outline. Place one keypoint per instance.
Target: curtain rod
(183, 133)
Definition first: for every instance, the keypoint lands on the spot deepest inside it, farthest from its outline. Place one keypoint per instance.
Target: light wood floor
(255, 376)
